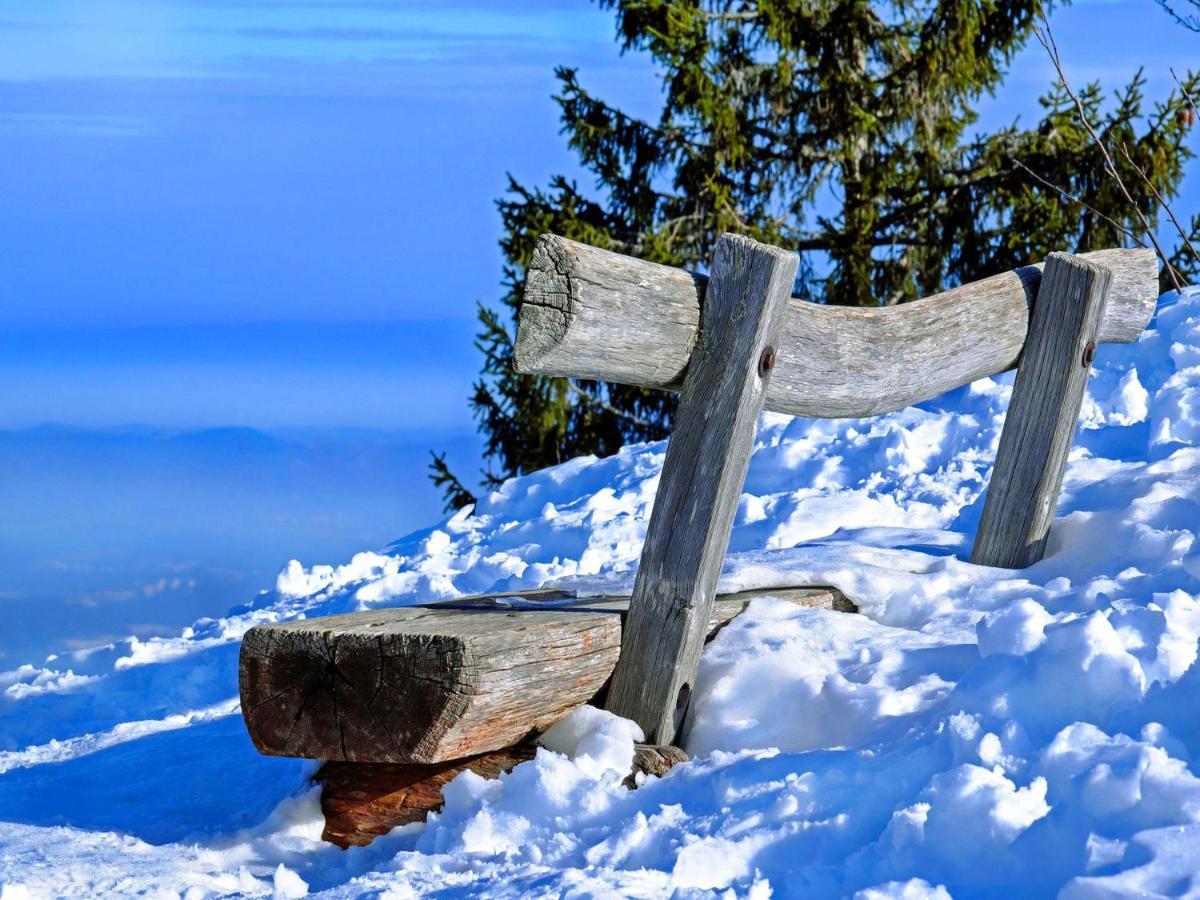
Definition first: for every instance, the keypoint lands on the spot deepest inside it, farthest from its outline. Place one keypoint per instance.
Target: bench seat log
(444, 681)
(594, 314)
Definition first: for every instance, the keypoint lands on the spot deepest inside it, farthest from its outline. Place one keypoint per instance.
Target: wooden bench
(445, 683)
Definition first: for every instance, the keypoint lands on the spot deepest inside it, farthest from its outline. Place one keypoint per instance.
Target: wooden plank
(361, 801)
(1042, 414)
(590, 313)
(441, 682)
(705, 466)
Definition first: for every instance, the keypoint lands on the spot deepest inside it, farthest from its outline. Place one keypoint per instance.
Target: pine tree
(838, 128)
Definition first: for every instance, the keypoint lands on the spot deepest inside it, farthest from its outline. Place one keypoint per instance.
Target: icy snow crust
(975, 732)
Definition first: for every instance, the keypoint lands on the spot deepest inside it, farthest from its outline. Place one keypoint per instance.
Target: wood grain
(441, 682)
(1042, 414)
(593, 314)
(707, 457)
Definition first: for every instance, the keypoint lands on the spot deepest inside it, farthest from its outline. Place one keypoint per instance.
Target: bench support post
(707, 457)
(1042, 414)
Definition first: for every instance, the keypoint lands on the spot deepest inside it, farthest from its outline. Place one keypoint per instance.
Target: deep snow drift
(974, 732)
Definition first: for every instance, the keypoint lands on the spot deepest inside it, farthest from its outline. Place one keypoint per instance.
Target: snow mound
(976, 732)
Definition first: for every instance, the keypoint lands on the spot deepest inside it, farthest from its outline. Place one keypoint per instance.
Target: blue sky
(278, 215)
(229, 162)
(265, 168)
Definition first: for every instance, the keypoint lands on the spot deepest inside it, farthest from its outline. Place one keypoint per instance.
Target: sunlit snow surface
(976, 732)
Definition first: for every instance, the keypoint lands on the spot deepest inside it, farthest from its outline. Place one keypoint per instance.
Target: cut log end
(547, 305)
(322, 686)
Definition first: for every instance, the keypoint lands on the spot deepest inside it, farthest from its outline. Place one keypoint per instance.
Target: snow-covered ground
(976, 732)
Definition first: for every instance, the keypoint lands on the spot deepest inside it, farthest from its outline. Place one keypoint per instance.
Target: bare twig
(1054, 187)
(1189, 22)
(1187, 95)
(732, 16)
(593, 400)
(1161, 202)
(1045, 37)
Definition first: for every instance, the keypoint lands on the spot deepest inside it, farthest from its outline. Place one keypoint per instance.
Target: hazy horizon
(140, 530)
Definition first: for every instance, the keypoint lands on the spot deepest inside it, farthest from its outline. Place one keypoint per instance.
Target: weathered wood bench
(409, 697)
(445, 685)
(443, 681)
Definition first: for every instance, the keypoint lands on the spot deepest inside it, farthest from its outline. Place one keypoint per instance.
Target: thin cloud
(77, 124)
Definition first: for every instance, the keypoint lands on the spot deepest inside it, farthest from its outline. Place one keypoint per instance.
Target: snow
(974, 733)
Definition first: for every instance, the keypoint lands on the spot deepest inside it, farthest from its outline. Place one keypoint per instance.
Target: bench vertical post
(1042, 414)
(707, 457)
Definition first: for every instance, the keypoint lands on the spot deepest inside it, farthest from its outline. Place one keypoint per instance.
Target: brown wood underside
(361, 801)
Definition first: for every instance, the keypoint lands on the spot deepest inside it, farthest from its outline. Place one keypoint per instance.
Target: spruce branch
(456, 494)
(838, 130)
